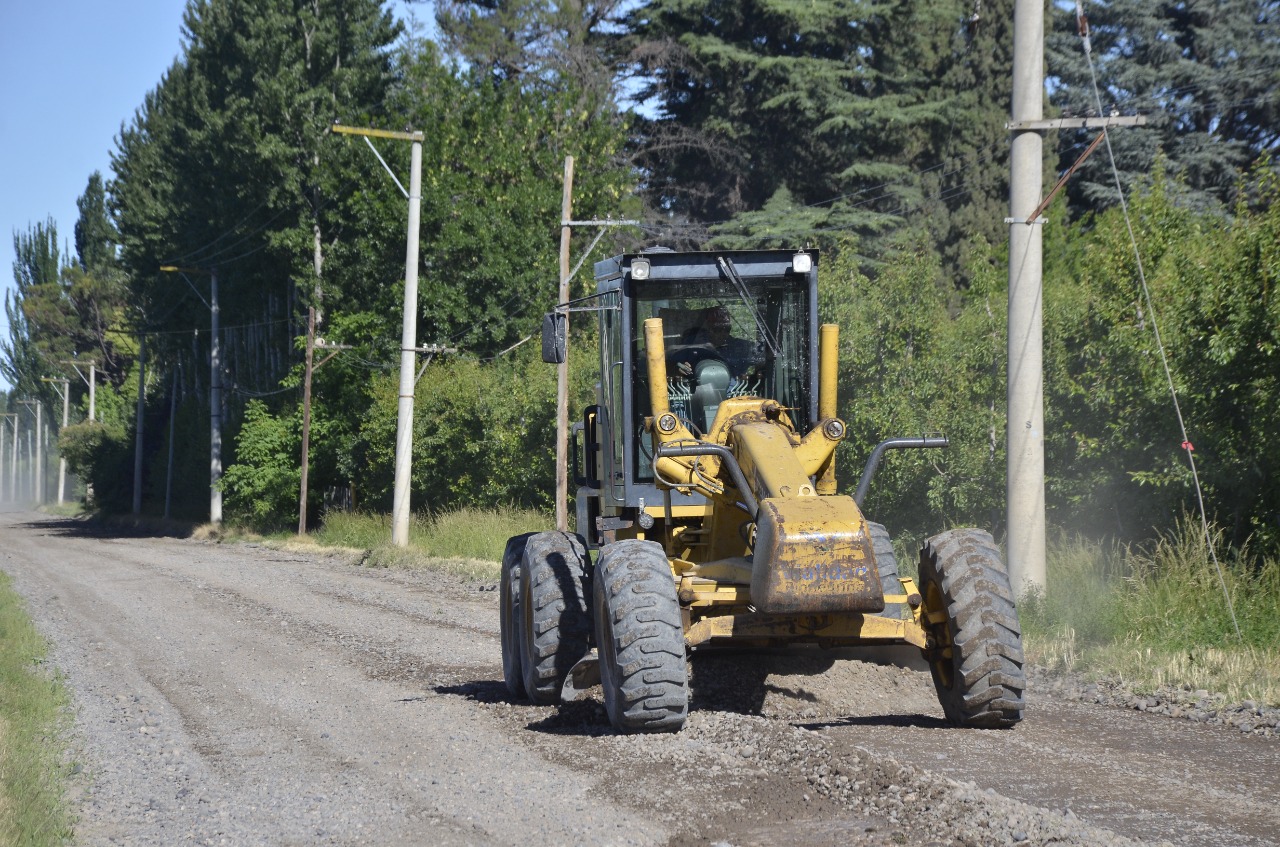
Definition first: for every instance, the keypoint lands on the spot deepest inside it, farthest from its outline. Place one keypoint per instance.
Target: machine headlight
(802, 263)
(639, 268)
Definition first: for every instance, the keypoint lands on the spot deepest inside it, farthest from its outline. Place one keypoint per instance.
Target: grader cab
(708, 513)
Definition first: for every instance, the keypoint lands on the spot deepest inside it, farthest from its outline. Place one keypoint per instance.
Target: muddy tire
(887, 567)
(640, 639)
(976, 651)
(509, 614)
(553, 607)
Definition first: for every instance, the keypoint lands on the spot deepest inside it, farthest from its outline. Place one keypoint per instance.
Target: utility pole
(1025, 453)
(562, 370)
(13, 465)
(215, 386)
(37, 457)
(91, 381)
(306, 420)
(1025, 422)
(313, 344)
(168, 471)
(138, 421)
(66, 410)
(215, 405)
(409, 327)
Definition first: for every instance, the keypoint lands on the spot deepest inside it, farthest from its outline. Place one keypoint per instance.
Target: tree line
(873, 130)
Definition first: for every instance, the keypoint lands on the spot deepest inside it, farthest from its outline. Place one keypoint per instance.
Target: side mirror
(554, 327)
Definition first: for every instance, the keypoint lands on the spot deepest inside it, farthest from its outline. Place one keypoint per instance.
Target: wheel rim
(942, 655)
(608, 658)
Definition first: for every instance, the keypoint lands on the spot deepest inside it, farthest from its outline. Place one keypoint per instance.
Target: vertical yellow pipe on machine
(828, 360)
(655, 350)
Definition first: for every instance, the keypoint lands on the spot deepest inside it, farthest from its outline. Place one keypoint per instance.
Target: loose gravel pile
(896, 803)
(1186, 703)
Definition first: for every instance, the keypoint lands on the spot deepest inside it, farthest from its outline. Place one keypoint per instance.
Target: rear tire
(556, 617)
(976, 652)
(640, 638)
(887, 567)
(509, 616)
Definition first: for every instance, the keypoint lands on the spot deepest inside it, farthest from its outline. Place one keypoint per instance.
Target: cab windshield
(720, 344)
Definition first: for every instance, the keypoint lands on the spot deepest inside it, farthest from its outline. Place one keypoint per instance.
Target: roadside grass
(1156, 616)
(32, 723)
(465, 541)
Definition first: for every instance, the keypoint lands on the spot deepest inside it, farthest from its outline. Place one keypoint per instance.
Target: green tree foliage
(918, 359)
(786, 115)
(262, 487)
(1204, 74)
(39, 312)
(1112, 430)
(483, 435)
(102, 456)
(492, 172)
(227, 165)
(536, 45)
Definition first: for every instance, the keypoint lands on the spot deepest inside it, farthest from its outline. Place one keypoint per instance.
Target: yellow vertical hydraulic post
(656, 354)
(828, 353)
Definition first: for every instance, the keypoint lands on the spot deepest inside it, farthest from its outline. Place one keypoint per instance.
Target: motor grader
(708, 513)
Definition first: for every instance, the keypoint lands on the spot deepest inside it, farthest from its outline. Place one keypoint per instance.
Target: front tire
(640, 637)
(556, 618)
(975, 653)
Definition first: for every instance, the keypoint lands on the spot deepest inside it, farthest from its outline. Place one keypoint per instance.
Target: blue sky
(71, 72)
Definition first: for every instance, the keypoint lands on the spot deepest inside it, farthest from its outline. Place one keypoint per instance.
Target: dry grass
(1158, 617)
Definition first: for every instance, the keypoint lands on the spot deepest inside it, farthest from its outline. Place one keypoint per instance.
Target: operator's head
(719, 324)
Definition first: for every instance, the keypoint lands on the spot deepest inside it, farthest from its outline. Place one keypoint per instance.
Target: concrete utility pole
(66, 411)
(13, 465)
(168, 468)
(409, 328)
(140, 414)
(91, 381)
(37, 457)
(1025, 446)
(215, 404)
(1025, 480)
(562, 370)
(215, 385)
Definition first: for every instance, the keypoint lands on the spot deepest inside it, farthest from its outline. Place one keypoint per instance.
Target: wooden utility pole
(562, 371)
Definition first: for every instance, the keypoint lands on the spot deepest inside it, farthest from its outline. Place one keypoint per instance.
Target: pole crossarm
(75, 364)
(601, 222)
(370, 132)
(1078, 123)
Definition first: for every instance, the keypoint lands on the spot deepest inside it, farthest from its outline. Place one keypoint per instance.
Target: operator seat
(711, 381)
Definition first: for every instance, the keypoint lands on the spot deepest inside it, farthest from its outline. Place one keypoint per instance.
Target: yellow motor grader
(708, 515)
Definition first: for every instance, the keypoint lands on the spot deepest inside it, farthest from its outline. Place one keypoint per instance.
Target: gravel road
(237, 694)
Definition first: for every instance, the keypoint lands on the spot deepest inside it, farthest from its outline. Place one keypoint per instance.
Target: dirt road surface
(236, 694)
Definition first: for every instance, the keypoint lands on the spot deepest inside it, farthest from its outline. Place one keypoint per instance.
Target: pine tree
(824, 119)
(1205, 75)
